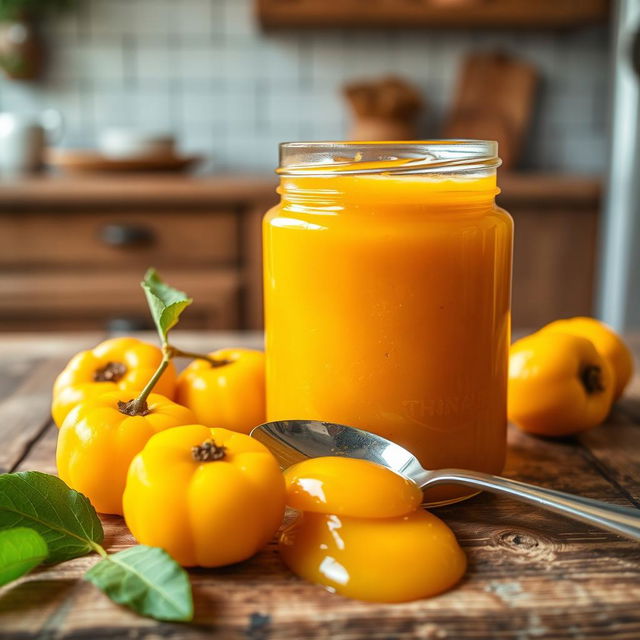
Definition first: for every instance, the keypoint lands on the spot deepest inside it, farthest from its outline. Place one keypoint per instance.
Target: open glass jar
(387, 272)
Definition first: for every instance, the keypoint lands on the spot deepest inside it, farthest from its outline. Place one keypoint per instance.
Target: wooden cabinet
(555, 249)
(120, 238)
(73, 251)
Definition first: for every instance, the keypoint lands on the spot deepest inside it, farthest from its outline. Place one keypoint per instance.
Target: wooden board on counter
(531, 574)
(494, 100)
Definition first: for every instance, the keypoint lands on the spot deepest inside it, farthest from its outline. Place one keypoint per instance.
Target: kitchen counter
(158, 189)
(67, 190)
(531, 574)
(62, 238)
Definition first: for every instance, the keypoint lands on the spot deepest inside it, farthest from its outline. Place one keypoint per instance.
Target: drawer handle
(126, 235)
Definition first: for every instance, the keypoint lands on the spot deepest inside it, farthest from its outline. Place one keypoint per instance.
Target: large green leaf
(63, 517)
(21, 550)
(147, 580)
(165, 302)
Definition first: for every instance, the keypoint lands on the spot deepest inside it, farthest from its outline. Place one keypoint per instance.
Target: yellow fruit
(608, 344)
(558, 384)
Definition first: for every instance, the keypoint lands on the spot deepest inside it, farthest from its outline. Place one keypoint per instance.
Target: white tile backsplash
(286, 104)
(72, 101)
(328, 57)
(582, 151)
(199, 109)
(101, 59)
(155, 109)
(198, 18)
(153, 62)
(111, 107)
(201, 62)
(239, 18)
(151, 18)
(413, 55)
(204, 69)
(109, 17)
(279, 58)
(237, 105)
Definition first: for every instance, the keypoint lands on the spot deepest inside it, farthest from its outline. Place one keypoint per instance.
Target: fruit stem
(138, 406)
(179, 353)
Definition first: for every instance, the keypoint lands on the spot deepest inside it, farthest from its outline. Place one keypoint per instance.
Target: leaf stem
(179, 353)
(99, 549)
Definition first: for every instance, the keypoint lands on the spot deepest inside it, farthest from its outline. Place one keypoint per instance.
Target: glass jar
(387, 296)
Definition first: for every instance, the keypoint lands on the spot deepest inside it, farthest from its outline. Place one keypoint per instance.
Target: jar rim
(335, 158)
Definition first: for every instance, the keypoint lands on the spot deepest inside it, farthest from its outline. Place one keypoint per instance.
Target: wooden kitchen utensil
(384, 109)
(494, 101)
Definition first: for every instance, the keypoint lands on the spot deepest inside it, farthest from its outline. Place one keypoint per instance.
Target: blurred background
(145, 132)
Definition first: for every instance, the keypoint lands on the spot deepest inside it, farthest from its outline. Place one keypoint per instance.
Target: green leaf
(21, 550)
(13, 9)
(147, 580)
(165, 302)
(63, 517)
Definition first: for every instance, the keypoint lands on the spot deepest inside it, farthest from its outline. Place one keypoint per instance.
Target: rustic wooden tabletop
(531, 574)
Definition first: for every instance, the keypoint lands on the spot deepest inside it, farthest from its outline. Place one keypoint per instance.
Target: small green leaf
(63, 517)
(147, 580)
(21, 550)
(165, 302)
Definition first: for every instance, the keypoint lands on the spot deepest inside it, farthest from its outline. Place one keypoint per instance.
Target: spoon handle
(621, 520)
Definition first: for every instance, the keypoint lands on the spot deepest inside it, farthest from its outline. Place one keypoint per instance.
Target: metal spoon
(293, 441)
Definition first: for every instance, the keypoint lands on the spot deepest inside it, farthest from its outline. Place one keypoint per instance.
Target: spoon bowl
(293, 441)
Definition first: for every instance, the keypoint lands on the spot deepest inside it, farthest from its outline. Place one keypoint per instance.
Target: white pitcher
(23, 139)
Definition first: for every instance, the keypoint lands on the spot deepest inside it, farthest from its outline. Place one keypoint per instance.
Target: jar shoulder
(392, 214)
(503, 215)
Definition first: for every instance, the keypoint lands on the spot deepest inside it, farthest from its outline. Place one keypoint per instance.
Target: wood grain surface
(531, 574)
(429, 13)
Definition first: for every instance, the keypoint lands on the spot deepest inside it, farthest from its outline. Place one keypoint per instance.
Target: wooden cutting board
(494, 101)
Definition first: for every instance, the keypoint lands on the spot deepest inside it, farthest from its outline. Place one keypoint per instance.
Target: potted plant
(20, 42)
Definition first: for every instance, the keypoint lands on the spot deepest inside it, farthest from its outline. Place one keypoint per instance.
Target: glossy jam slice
(350, 487)
(381, 560)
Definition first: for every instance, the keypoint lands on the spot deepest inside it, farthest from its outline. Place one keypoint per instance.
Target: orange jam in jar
(387, 297)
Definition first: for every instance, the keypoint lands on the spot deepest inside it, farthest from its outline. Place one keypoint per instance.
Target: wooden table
(531, 574)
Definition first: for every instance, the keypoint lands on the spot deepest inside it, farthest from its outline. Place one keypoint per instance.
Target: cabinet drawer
(98, 301)
(118, 239)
